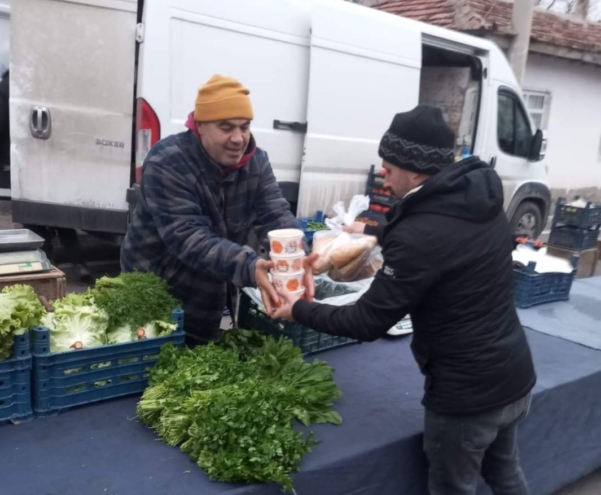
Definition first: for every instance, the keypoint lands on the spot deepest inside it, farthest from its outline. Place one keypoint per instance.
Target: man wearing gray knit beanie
(447, 262)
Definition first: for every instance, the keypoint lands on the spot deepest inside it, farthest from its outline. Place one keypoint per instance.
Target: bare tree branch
(571, 4)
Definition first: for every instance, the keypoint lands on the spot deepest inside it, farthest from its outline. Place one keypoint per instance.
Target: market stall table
(577, 320)
(102, 448)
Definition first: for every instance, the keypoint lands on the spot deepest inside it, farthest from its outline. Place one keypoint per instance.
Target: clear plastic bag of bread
(375, 262)
(343, 255)
(352, 258)
(323, 241)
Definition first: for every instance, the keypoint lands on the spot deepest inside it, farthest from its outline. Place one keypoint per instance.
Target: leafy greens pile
(20, 309)
(231, 406)
(129, 307)
(134, 299)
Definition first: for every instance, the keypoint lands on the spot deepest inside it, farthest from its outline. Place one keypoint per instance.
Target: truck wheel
(527, 221)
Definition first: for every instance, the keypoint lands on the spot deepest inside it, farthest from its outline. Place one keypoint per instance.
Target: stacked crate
(574, 232)
(15, 383)
(380, 199)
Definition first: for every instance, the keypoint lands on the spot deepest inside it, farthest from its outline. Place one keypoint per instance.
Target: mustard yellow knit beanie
(222, 98)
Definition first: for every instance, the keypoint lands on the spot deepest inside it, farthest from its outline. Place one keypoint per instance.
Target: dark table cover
(102, 449)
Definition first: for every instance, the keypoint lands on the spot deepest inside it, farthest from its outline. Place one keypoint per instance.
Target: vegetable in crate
(314, 226)
(20, 309)
(134, 299)
(127, 308)
(230, 406)
(127, 333)
(76, 323)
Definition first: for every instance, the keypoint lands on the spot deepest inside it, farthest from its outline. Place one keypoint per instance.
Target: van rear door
(4, 63)
(263, 43)
(365, 67)
(72, 86)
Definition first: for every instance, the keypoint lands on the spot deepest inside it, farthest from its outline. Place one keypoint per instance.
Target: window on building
(538, 104)
(513, 127)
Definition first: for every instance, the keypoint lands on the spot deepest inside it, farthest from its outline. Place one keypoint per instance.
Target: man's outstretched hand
(284, 312)
(274, 301)
(308, 281)
(287, 301)
(268, 293)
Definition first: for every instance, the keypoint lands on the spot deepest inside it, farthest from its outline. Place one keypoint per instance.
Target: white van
(95, 83)
(4, 63)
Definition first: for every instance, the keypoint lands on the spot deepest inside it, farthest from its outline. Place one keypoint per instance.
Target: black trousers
(461, 448)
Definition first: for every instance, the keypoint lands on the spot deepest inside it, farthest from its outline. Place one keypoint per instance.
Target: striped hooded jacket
(192, 223)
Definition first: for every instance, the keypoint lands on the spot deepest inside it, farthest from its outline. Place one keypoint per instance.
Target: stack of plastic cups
(287, 254)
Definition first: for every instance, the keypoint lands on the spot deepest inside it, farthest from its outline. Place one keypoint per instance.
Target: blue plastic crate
(319, 217)
(68, 379)
(573, 238)
(15, 383)
(574, 216)
(532, 289)
(309, 341)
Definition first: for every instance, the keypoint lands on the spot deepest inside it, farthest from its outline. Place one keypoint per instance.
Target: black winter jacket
(447, 263)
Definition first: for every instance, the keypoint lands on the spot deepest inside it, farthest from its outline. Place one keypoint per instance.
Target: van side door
(365, 68)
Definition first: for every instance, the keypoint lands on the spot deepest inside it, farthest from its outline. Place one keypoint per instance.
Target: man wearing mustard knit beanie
(202, 193)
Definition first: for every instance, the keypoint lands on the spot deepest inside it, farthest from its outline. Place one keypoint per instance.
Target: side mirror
(536, 147)
(543, 151)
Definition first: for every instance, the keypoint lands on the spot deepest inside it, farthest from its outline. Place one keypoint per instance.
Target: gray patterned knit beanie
(419, 141)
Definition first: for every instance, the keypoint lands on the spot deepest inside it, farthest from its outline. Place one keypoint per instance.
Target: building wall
(574, 123)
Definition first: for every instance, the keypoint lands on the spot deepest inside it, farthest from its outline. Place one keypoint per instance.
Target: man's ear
(199, 127)
(418, 176)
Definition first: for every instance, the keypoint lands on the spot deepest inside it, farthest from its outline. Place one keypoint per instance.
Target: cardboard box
(51, 285)
(587, 260)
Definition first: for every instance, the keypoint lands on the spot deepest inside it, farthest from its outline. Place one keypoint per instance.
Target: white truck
(96, 83)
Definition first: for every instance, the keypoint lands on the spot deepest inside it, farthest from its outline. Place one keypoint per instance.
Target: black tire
(527, 221)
